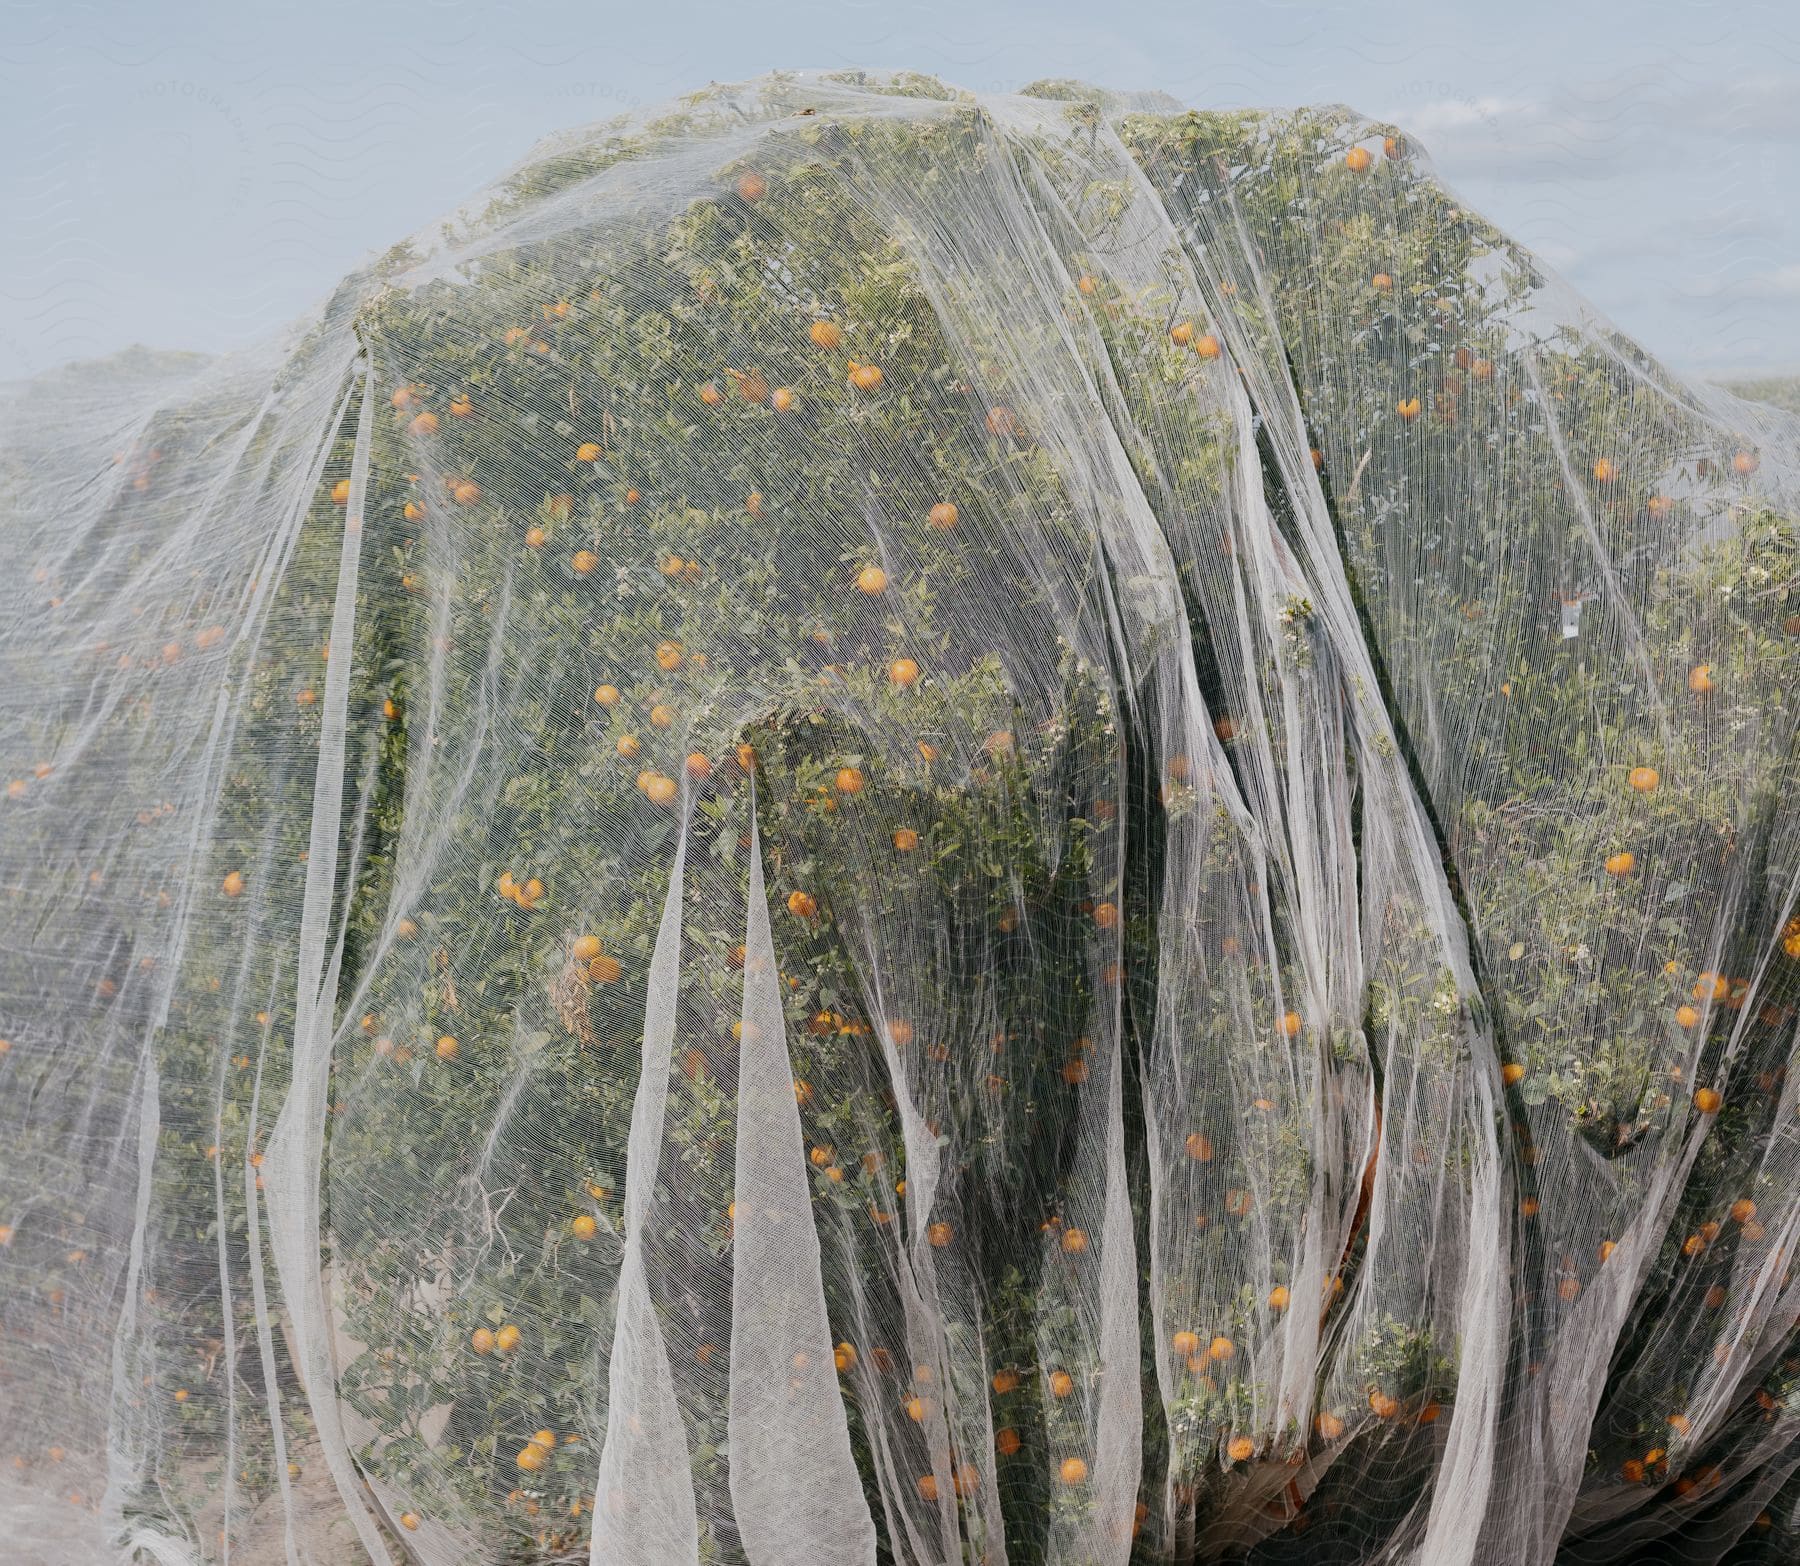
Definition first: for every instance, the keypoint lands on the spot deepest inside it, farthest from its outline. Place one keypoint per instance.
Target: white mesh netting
(877, 826)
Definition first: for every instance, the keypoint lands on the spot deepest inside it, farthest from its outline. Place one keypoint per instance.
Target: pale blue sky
(192, 175)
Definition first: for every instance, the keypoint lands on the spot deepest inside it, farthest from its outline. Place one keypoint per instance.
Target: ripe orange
(1074, 1470)
(1382, 282)
(668, 656)
(1002, 422)
(1199, 1147)
(340, 493)
(583, 561)
(1006, 1380)
(1240, 1449)
(628, 746)
(943, 515)
(461, 407)
(939, 1234)
(825, 334)
(1686, 1017)
(802, 905)
(446, 1047)
(530, 1457)
(607, 695)
(782, 398)
(482, 1341)
(1006, 1441)
(1182, 332)
(233, 884)
(661, 791)
(1357, 160)
(871, 580)
(1075, 1241)
(1106, 915)
(534, 538)
(409, 1521)
(424, 424)
(1290, 1024)
(1605, 471)
(1621, 864)
(1208, 346)
(1745, 462)
(1329, 1426)
(1407, 408)
(1743, 1210)
(1381, 1405)
(865, 377)
(903, 672)
(1512, 1073)
(583, 1227)
(1061, 1383)
(1644, 779)
(751, 186)
(906, 840)
(699, 767)
(587, 451)
(1278, 1297)
(709, 394)
(661, 716)
(1700, 680)
(844, 1357)
(1707, 1101)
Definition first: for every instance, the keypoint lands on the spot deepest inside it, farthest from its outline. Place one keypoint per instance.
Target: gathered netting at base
(873, 825)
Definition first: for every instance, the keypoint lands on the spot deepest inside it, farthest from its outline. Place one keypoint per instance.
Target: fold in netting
(910, 827)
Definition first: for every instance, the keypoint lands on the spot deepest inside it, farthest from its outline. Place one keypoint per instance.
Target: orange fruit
(906, 840)
(1329, 1426)
(482, 1341)
(1745, 462)
(1106, 915)
(1607, 1247)
(1743, 1210)
(1207, 346)
(1278, 1297)
(583, 561)
(1381, 1405)
(1074, 1470)
(534, 538)
(844, 1357)
(1407, 408)
(871, 580)
(668, 656)
(699, 767)
(1512, 1073)
(1002, 422)
(825, 334)
(1644, 779)
(1221, 1348)
(424, 424)
(661, 716)
(1707, 1101)
(1622, 863)
(530, 1457)
(1006, 1380)
(587, 451)
(1290, 1024)
(751, 186)
(1061, 1383)
(233, 884)
(607, 695)
(627, 746)
(446, 1047)
(943, 515)
(1700, 680)
(1199, 1147)
(583, 1227)
(802, 905)
(865, 377)
(1605, 471)
(660, 791)
(1240, 1449)
(940, 1234)
(1381, 282)
(461, 407)
(409, 1521)
(1006, 1441)
(782, 398)
(340, 493)
(1357, 160)
(1075, 1241)
(903, 672)
(1686, 1017)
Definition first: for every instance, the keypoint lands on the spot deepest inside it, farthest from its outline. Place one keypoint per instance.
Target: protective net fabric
(879, 826)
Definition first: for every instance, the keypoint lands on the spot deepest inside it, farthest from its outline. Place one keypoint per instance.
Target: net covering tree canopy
(874, 825)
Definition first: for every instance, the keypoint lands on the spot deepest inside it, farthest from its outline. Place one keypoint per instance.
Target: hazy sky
(191, 175)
